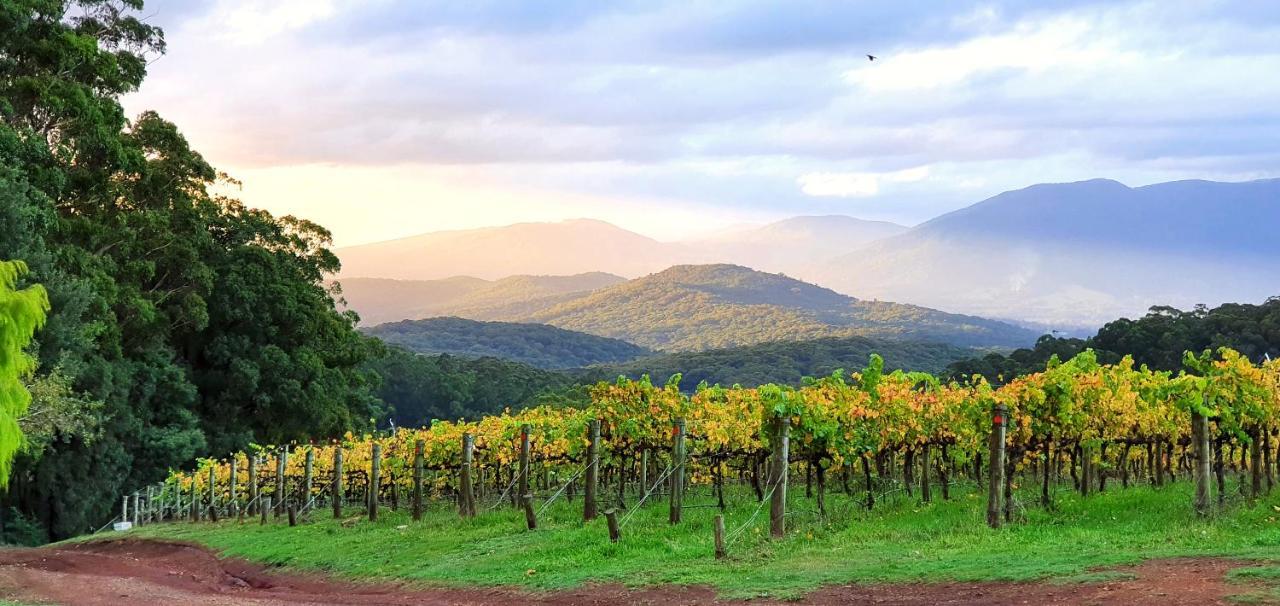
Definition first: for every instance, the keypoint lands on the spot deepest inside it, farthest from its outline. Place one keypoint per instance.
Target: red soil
(153, 572)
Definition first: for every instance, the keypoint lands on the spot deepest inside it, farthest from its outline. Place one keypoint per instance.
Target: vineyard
(870, 433)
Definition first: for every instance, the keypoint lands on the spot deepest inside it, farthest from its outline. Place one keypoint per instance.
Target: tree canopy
(181, 322)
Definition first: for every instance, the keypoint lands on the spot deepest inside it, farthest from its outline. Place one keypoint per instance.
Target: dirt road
(149, 572)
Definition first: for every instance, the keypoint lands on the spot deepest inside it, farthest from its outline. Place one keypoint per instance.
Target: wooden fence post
(233, 493)
(995, 465)
(418, 453)
(719, 530)
(124, 508)
(530, 519)
(213, 493)
(644, 471)
(593, 472)
(466, 498)
(308, 475)
(778, 476)
(1200, 438)
(1255, 463)
(281, 464)
(375, 480)
(677, 472)
(925, 460)
(137, 507)
(524, 459)
(293, 514)
(611, 518)
(254, 504)
(195, 500)
(266, 509)
(337, 482)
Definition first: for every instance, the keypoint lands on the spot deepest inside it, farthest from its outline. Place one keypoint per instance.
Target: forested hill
(535, 344)
(694, 307)
(419, 388)
(1157, 339)
(784, 362)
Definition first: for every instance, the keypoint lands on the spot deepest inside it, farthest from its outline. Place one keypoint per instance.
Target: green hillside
(534, 344)
(697, 307)
(784, 361)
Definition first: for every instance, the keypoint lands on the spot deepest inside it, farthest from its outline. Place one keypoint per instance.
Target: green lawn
(898, 541)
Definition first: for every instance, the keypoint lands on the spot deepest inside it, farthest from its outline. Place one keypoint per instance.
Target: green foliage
(784, 361)
(181, 322)
(57, 412)
(1158, 340)
(535, 344)
(420, 388)
(21, 313)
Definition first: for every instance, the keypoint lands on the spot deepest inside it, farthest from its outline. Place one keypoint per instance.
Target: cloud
(856, 185)
(722, 105)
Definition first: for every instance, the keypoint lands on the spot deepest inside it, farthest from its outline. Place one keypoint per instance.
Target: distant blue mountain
(1081, 253)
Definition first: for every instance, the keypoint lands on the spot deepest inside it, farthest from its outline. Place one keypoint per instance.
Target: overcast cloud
(715, 111)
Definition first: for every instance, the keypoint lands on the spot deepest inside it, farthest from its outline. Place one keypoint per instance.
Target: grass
(897, 541)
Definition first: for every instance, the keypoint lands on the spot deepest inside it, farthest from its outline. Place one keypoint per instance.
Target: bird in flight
(871, 57)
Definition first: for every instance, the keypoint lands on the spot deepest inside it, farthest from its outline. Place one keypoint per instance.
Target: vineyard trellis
(1078, 418)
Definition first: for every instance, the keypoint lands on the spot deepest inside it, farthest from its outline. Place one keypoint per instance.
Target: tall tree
(21, 312)
(182, 322)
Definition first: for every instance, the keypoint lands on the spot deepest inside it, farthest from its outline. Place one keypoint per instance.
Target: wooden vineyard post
(995, 465)
(337, 482)
(1255, 463)
(232, 491)
(719, 530)
(395, 493)
(925, 460)
(677, 472)
(137, 506)
(293, 514)
(124, 508)
(375, 480)
(592, 481)
(213, 494)
(176, 513)
(266, 510)
(281, 464)
(611, 518)
(254, 505)
(195, 500)
(308, 475)
(524, 460)
(1200, 437)
(147, 518)
(644, 471)
(778, 476)
(418, 452)
(530, 518)
(466, 496)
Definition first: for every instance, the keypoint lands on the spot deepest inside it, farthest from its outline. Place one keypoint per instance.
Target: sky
(383, 119)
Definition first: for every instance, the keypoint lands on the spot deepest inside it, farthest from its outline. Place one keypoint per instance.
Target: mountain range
(1068, 255)
(682, 308)
(1081, 253)
(380, 300)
